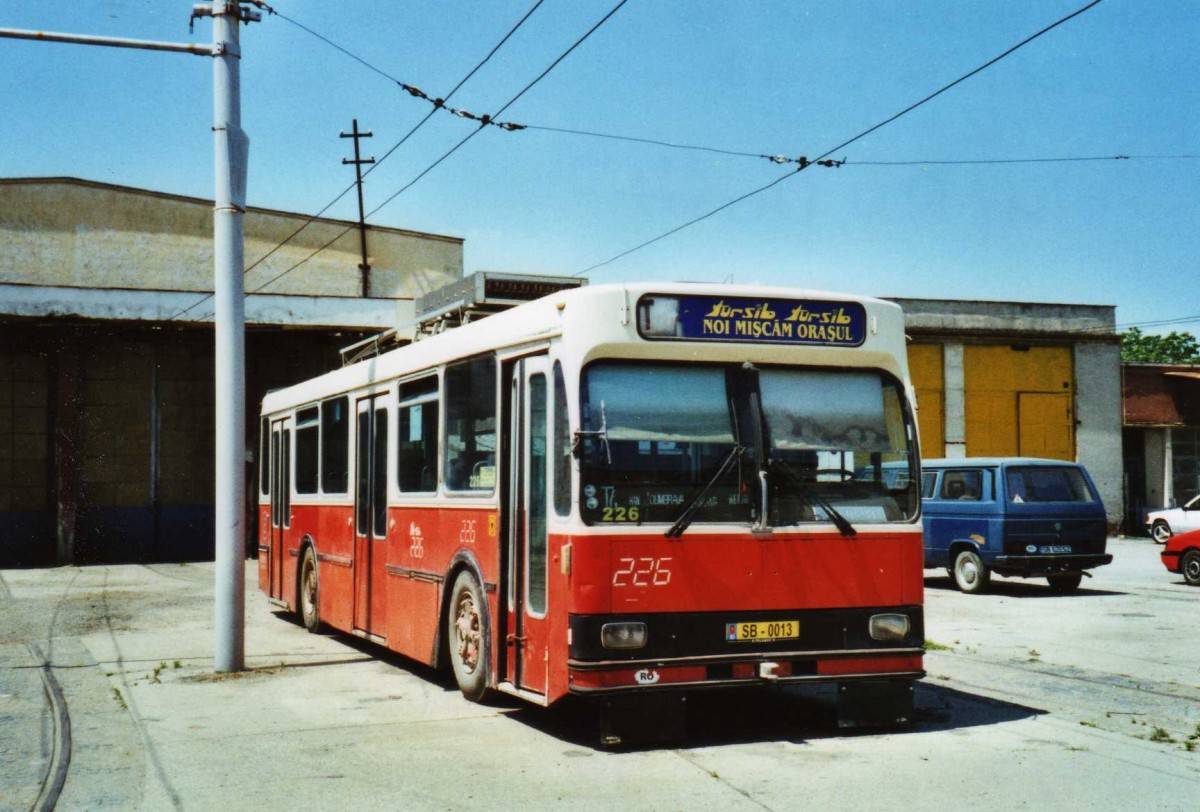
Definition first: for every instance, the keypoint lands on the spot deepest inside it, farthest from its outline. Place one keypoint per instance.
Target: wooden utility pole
(358, 161)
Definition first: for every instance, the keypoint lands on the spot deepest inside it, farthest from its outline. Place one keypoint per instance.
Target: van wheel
(1190, 567)
(1063, 584)
(467, 637)
(308, 597)
(971, 575)
(1160, 532)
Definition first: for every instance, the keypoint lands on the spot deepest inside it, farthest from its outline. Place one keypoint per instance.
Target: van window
(1048, 484)
(964, 485)
(928, 481)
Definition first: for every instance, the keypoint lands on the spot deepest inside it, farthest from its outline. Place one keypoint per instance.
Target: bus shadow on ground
(374, 652)
(1021, 588)
(795, 714)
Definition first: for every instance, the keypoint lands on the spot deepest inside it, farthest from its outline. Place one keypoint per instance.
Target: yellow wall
(1019, 402)
(925, 367)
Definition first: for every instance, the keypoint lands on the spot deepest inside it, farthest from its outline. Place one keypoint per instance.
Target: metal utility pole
(365, 267)
(231, 147)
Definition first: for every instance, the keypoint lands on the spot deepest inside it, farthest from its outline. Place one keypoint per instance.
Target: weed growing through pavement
(932, 646)
(120, 700)
(1161, 735)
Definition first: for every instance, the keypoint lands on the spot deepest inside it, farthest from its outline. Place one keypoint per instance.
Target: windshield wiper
(815, 498)
(697, 501)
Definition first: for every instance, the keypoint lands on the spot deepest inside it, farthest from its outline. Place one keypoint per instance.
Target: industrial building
(106, 361)
(106, 354)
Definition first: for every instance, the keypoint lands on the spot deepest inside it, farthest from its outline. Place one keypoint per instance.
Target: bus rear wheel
(971, 575)
(308, 596)
(467, 638)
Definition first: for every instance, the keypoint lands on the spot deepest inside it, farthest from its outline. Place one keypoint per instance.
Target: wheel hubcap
(466, 632)
(968, 571)
(1192, 568)
(310, 590)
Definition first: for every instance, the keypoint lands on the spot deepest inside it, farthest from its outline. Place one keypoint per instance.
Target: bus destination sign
(794, 321)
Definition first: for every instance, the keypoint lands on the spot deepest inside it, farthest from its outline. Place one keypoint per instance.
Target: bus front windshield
(825, 444)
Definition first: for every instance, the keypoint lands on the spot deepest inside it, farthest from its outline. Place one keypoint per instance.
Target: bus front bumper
(777, 667)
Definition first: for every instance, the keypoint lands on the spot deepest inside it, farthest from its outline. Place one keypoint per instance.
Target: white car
(1165, 523)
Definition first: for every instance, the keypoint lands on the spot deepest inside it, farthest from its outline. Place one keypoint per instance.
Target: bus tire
(308, 596)
(467, 638)
(971, 575)
(1189, 565)
(1064, 584)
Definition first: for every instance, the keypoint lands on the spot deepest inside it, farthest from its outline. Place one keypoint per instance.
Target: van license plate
(762, 631)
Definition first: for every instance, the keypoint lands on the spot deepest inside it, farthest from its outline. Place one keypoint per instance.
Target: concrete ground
(1089, 701)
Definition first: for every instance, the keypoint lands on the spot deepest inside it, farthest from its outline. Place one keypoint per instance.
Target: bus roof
(597, 315)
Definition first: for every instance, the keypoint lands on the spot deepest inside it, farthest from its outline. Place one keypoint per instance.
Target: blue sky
(777, 77)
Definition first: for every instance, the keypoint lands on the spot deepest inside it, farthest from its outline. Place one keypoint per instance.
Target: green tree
(1173, 348)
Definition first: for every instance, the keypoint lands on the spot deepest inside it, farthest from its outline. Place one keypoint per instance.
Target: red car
(1182, 554)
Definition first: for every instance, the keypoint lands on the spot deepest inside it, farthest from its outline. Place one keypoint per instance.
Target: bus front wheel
(467, 637)
(971, 575)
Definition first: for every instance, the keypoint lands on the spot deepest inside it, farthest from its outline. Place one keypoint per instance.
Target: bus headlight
(889, 627)
(623, 635)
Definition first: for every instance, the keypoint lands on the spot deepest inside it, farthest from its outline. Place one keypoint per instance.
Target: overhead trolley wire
(456, 147)
(385, 155)
(845, 143)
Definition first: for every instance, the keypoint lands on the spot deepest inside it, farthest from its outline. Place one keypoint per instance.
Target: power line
(990, 161)
(456, 147)
(845, 143)
(490, 120)
(385, 156)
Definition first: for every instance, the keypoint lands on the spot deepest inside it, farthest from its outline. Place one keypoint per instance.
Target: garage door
(925, 368)
(1019, 401)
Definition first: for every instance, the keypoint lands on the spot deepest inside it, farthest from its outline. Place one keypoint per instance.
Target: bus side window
(561, 456)
(264, 458)
(335, 445)
(307, 449)
(417, 457)
(470, 442)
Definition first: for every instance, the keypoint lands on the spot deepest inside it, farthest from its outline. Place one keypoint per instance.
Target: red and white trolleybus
(616, 490)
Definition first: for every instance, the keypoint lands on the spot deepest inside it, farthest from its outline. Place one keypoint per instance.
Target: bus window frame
(443, 430)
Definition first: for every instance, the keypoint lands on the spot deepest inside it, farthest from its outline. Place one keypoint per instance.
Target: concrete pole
(231, 147)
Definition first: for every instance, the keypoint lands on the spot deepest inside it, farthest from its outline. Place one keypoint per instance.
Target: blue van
(1013, 516)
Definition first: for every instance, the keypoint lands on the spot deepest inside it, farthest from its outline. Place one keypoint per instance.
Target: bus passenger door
(370, 514)
(281, 501)
(526, 597)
